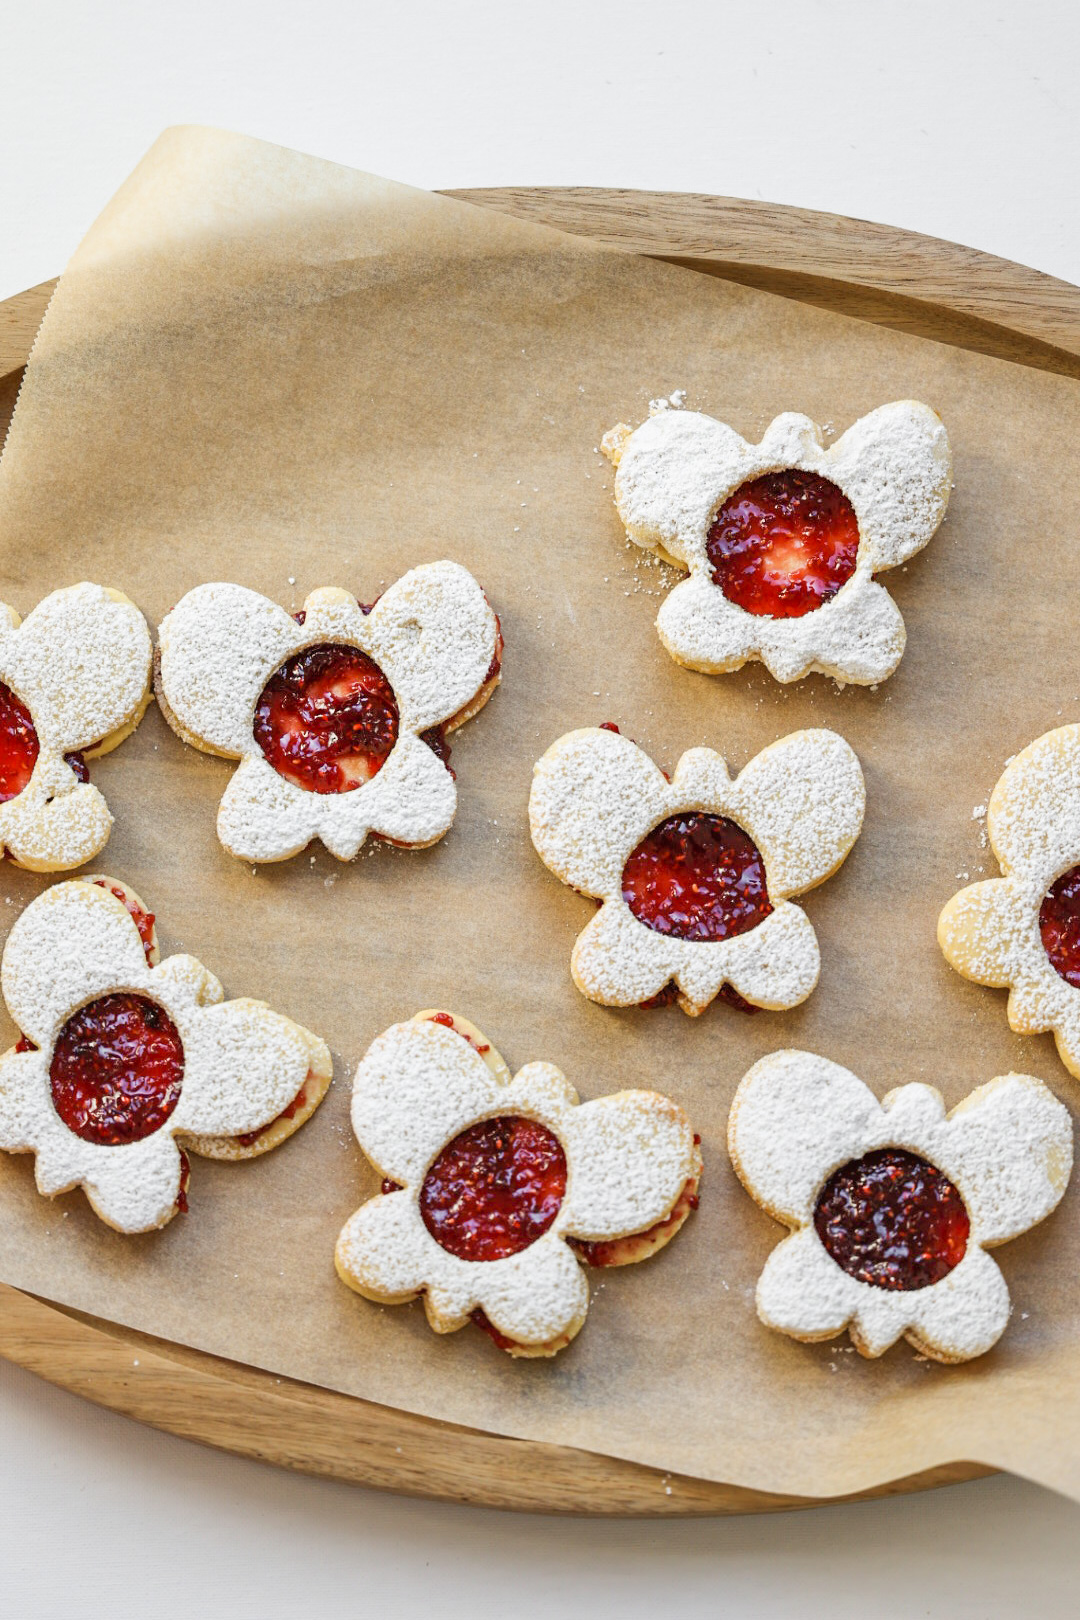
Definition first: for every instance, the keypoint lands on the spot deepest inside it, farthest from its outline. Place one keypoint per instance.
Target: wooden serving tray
(874, 272)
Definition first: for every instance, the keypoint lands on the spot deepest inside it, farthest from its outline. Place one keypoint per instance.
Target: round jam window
(892, 1219)
(697, 876)
(782, 545)
(494, 1189)
(1059, 925)
(18, 745)
(327, 720)
(117, 1069)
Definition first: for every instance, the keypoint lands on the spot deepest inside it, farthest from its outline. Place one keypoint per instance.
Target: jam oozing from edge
(668, 995)
(697, 876)
(893, 1220)
(435, 738)
(117, 1069)
(782, 545)
(480, 1318)
(327, 719)
(143, 920)
(185, 1181)
(448, 1023)
(79, 767)
(494, 1189)
(1059, 925)
(290, 1111)
(609, 1251)
(18, 745)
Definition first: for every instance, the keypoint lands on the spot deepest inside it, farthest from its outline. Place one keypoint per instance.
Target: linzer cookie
(695, 873)
(1022, 930)
(125, 1061)
(338, 716)
(893, 1205)
(74, 682)
(783, 539)
(497, 1193)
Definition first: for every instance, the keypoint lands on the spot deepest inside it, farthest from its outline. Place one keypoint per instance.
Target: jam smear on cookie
(143, 920)
(327, 720)
(892, 1219)
(697, 876)
(783, 544)
(290, 1111)
(1059, 925)
(495, 1188)
(117, 1069)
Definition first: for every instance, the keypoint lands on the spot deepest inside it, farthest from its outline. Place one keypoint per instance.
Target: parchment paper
(263, 368)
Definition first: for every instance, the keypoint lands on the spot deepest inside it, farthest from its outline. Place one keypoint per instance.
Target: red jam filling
(1059, 925)
(327, 719)
(18, 745)
(185, 1181)
(116, 1069)
(487, 1326)
(782, 545)
(494, 1189)
(892, 1219)
(697, 876)
(290, 1111)
(609, 1251)
(143, 920)
(435, 737)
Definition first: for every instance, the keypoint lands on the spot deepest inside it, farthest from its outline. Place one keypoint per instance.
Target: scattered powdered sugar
(243, 1063)
(80, 662)
(596, 795)
(1007, 1148)
(678, 467)
(433, 635)
(629, 1157)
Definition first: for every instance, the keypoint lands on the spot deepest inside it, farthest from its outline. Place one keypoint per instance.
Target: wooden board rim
(889, 276)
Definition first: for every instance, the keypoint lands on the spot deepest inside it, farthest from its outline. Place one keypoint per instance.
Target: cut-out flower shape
(782, 539)
(695, 873)
(497, 1191)
(1022, 930)
(123, 1062)
(893, 1205)
(74, 682)
(338, 716)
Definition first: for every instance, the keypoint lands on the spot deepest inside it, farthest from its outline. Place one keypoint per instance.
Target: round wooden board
(874, 272)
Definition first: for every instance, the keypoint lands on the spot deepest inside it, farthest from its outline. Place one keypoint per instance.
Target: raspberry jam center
(892, 1219)
(697, 876)
(494, 1189)
(1059, 925)
(18, 745)
(116, 1069)
(782, 545)
(327, 719)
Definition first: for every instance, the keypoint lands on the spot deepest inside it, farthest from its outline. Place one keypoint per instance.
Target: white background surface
(953, 117)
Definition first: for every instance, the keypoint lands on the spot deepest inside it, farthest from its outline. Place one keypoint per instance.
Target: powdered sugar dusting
(990, 932)
(243, 1063)
(80, 662)
(677, 469)
(433, 635)
(596, 795)
(1007, 1148)
(629, 1157)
